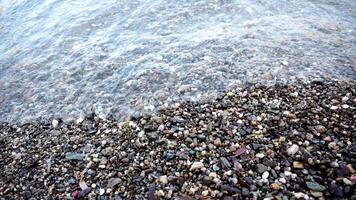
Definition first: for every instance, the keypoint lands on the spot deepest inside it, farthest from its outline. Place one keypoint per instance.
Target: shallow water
(60, 57)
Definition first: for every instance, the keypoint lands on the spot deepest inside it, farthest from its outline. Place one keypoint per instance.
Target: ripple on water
(59, 58)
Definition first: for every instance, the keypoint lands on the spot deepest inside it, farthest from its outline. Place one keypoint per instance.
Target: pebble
(74, 156)
(287, 173)
(299, 195)
(101, 191)
(275, 186)
(55, 123)
(113, 182)
(163, 179)
(347, 181)
(298, 165)
(320, 129)
(293, 149)
(334, 108)
(345, 106)
(205, 193)
(315, 186)
(316, 194)
(260, 155)
(282, 180)
(196, 165)
(265, 175)
(225, 163)
(261, 168)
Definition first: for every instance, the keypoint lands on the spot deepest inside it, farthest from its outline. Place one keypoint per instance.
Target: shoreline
(258, 142)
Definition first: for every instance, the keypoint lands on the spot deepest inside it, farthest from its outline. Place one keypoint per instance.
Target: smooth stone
(225, 163)
(315, 186)
(298, 165)
(275, 186)
(163, 179)
(316, 194)
(299, 195)
(205, 193)
(287, 173)
(293, 149)
(245, 192)
(320, 129)
(55, 123)
(74, 156)
(347, 181)
(196, 165)
(334, 108)
(101, 191)
(261, 168)
(265, 175)
(282, 180)
(260, 155)
(113, 181)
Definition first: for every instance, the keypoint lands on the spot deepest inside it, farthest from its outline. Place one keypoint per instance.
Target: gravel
(275, 142)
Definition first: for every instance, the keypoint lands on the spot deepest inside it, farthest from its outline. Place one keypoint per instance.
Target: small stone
(320, 129)
(344, 99)
(230, 94)
(333, 145)
(275, 186)
(282, 139)
(316, 194)
(282, 180)
(261, 168)
(183, 88)
(113, 182)
(298, 165)
(217, 142)
(347, 181)
(350, 168)
(334, 108)
(159, 193)
(299, 195)
(225, 163)
(163, 179)
(294, 94)
(55, 123)
(260, 155)
(345, 106)
(101, 191)
(315, 186)
(205, 193)
(293, 149)
(265, 175)
(287, 173)
(74, 156)
(196, 165)
(245, 192)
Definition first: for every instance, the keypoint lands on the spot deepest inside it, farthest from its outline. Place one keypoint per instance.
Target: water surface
(61, 57)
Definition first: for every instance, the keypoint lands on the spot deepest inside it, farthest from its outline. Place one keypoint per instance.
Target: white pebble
(287, 173)
(260, 155)
(101, 191)
(345, 106)
(163, 179)
(196, 165)
(293, 149)
(333, 108)
(265, 175)
(55, 123)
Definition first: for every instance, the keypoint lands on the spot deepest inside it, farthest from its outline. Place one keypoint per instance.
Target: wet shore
(258, 142)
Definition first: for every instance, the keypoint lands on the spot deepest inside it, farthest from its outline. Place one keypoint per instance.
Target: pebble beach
(294, 141)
